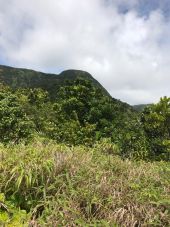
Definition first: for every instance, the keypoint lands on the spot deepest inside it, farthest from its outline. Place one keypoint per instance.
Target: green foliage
(10, 215)
(24, 78)
(77, 169)
(14, 124)
(156, 123)
(140, 107)
(68, 186)
(73, 108)
(37, 106)
(83, 115)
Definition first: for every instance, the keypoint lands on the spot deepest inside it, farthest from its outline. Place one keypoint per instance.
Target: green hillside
(79, 108)
(140, 107)
(26, 78)
(74, 108)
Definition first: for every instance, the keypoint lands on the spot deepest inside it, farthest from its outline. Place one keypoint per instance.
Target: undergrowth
(56, 185)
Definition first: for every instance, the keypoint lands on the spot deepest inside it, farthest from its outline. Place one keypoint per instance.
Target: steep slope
(25, 78)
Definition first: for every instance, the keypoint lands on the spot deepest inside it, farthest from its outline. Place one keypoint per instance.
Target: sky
(124, 44)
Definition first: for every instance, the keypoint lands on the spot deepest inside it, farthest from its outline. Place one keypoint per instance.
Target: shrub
(14, 124)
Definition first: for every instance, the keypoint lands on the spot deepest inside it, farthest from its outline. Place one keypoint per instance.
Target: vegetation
(67, 186)
(156, 123)
(70, 154)
(24, 78)
(140, 107)
(14, 124)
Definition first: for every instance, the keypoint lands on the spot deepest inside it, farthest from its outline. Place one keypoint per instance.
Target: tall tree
(156, 123)
(14, 124)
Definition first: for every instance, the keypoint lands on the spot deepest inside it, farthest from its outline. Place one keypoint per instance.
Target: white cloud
(128, 54)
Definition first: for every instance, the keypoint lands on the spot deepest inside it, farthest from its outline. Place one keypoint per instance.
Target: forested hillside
(25, 78)
(49, 123)
(73, 108)
(140, 107)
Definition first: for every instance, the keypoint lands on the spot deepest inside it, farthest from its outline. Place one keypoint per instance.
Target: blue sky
(144, 7)
(123, 44)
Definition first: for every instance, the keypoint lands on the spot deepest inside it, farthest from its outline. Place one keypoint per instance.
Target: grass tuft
(79, 186)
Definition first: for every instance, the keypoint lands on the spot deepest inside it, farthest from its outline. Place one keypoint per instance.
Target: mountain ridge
(28, 78)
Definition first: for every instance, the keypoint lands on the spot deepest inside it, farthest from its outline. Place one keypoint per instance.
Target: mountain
(26, 78)
(140, 107)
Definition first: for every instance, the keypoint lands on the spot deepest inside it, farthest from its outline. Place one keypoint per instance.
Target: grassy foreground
(46, 184)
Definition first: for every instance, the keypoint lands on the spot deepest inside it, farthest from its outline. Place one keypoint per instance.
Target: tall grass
(80, 186)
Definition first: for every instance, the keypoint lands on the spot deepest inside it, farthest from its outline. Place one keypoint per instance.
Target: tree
(14, 124)
(69, 120)
(156, 123)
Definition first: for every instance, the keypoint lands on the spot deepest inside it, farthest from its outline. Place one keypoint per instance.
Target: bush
(14, 124)
(156, 123)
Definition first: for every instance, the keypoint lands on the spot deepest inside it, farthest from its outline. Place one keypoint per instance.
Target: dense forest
(71, 155)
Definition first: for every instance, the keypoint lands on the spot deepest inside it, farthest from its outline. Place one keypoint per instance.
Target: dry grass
(78, 186)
